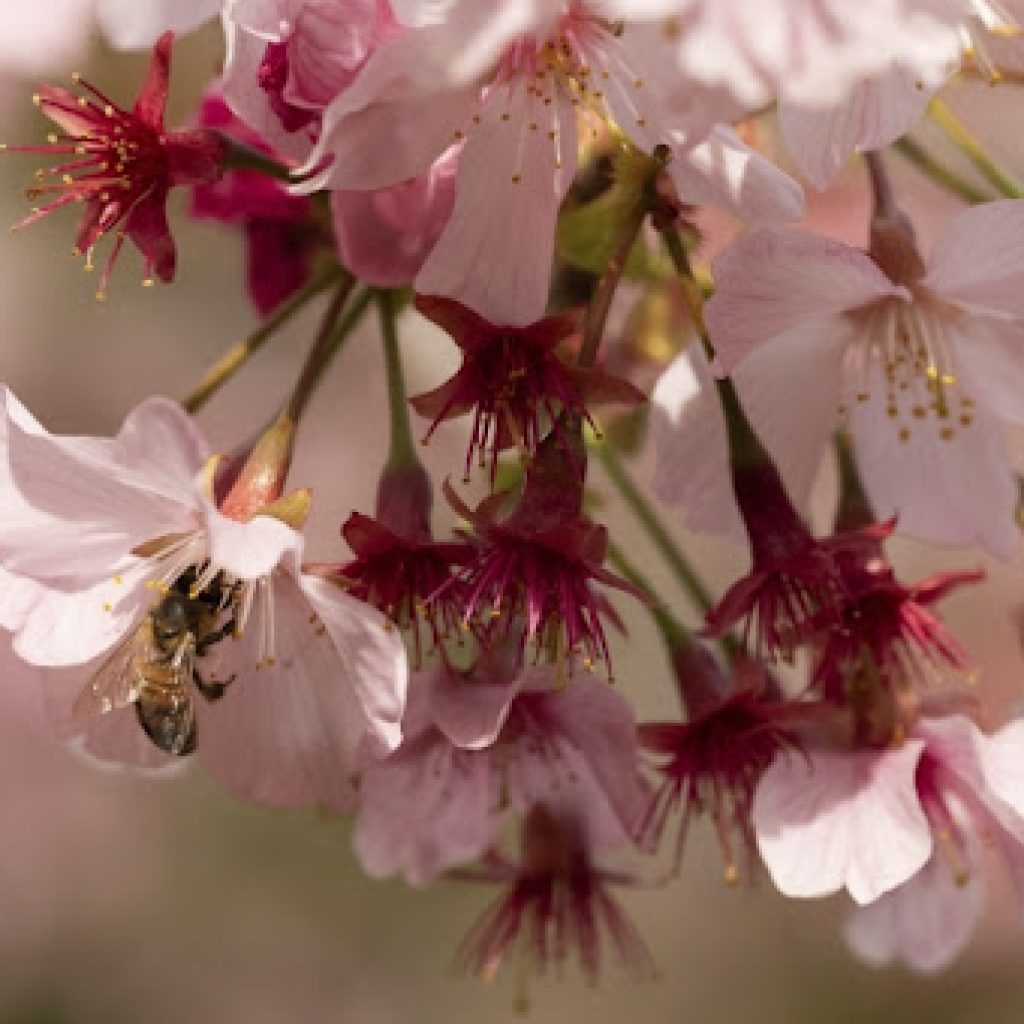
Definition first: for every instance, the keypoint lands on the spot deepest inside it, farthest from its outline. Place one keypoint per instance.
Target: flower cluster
(535, 178)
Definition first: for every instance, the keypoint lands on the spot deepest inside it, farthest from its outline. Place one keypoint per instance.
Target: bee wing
(115, 684)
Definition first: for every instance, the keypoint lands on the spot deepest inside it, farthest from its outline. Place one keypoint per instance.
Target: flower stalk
(955, 130)
(236, 357)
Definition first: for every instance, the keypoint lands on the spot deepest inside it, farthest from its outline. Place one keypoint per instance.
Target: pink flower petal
(426, 808)
(370, 659)
(723, 171)
(775, 279)
(848, 821)
(495, 254)
(877, 110)
(926, 922)
(959, 490)
(979, 260)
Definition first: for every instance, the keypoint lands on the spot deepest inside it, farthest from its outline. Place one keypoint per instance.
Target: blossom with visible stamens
(890, 622)
(512, 380)
(918, 359)
(711, 763)
(794, 588)
(124, 164)
(481, 745)
(556, 902)
(519, 86)
(537, 564)
(90, 527)
(399, 567)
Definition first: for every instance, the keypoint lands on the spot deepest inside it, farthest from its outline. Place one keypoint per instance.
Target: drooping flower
(869, 820)
(535, 566)
(511, 88)
(123, 164)
(481, 745)
(91, 527)
(512, 380)
(556, 902)
(794, 587)
(399, 567)
(711, 762)
(889, 623)
(282, 232)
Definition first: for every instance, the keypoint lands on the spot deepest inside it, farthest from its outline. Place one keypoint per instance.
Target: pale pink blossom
(921, 368)
(481, 746)
(288, 59)
(92, 526)
(869, 820)
(516, 85)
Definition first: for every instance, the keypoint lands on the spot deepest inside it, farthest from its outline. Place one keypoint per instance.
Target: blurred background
(129, 900)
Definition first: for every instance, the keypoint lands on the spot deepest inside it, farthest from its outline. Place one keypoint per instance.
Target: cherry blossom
(124, 164)
(481, 745)
(288, 59)
(92, 526)
(510, 87)
(869, 820)
(917, 363)
(556, 902)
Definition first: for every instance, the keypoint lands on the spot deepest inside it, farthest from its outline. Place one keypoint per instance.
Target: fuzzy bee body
(154, 667)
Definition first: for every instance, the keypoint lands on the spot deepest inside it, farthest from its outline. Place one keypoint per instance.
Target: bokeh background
(126, 900)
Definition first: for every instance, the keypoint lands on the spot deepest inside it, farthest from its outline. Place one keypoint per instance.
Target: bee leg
(211, 689)
(205, 643)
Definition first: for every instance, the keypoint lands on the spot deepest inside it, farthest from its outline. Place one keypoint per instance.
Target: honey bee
(154, 667)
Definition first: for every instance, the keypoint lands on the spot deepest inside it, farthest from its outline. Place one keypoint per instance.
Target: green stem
(240, 353)
(318, 357)
(675, 635)
(939, 173)
(237, 156)
(692, 291)
(601, 302)
(1001, 180)
(652, 524)
(403, 450)
(315, 369)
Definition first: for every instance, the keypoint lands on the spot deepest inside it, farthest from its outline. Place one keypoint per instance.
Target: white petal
(692, 449)
(371, 660)
(287, 734)
(723, 171)
(65, 623)
(251, 549)
(848, 821)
